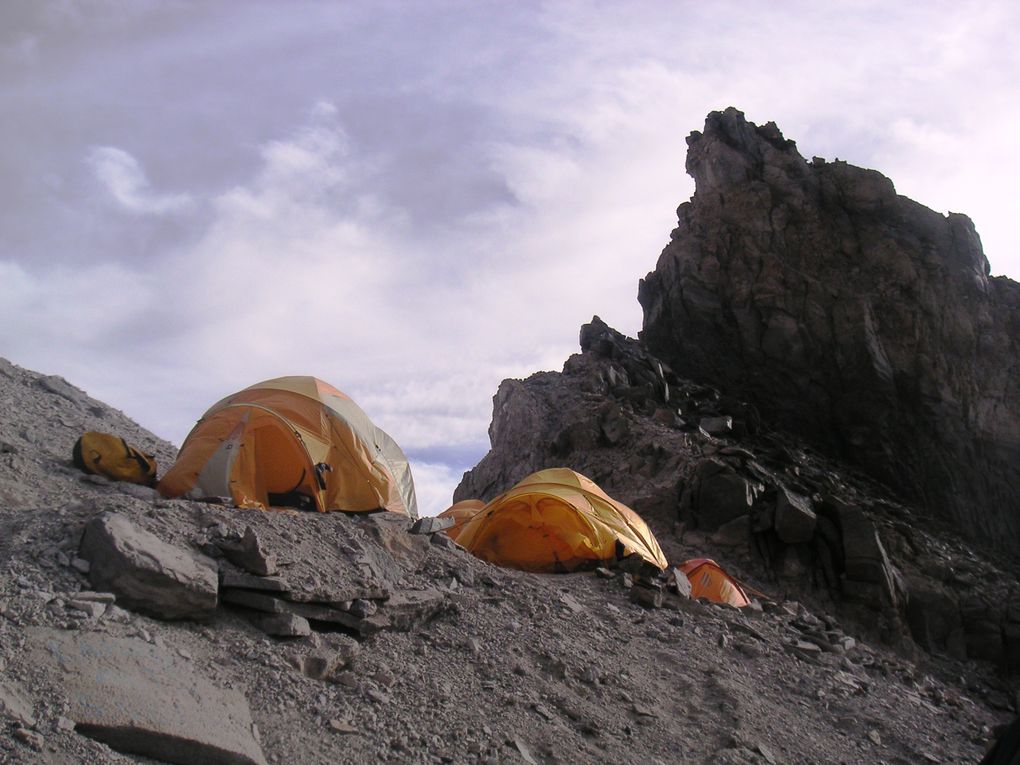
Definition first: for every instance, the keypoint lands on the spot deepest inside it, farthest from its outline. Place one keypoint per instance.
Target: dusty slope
(517, 667)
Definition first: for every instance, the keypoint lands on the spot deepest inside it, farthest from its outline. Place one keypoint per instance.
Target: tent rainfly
(710, 581)
(292, 441)
(557, 520)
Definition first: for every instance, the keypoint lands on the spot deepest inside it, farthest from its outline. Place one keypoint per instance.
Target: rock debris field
(139, 629)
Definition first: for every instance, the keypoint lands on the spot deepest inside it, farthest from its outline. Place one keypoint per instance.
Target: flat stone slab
(146, 573)
(139, 699)
(244, 580)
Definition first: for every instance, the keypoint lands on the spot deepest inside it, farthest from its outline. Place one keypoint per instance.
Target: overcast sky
(416, 200)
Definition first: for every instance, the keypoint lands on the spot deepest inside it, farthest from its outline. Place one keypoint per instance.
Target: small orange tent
(710, 581)
(292, 438)
(460, 513)
(557, 520)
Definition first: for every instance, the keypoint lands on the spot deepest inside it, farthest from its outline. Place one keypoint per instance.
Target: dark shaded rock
(795, 520)
(118, 691)
(933, 614)
(716, 426)
(718, 495)
(145, 573)
(870, 322)
(280, 625)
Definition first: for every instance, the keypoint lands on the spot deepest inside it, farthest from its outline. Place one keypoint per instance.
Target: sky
(416, 200)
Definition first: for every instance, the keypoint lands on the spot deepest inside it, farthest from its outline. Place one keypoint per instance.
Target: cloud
(124, 179)
(417, 205)
(432, 486)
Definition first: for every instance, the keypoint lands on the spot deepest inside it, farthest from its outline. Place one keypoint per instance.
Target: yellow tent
(460, 512)
(292, 441)
(557, 520)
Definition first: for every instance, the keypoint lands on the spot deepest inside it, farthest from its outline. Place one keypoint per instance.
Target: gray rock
(716, 426)
(247, 553)
(243, 580)
(313, 612)
(407, 609)
(118, 691)
(646, 597)
(15, 704)
(795, 520)
(430, 525)
(145, 573)
(281, 625)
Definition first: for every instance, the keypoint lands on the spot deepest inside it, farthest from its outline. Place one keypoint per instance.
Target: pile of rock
(702, 469)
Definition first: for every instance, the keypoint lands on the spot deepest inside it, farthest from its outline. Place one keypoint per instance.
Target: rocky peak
(848, 314)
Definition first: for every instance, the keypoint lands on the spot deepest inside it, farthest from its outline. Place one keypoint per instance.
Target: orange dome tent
(709, 581)
(288, 440)
(460, 513)
(557, 520)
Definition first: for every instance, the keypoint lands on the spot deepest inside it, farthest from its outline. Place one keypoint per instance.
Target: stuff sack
(113, 457)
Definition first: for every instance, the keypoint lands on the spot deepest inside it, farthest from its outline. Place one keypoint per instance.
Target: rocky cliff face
(847, 314)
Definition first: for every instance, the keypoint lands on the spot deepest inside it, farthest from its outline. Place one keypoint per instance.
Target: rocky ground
(408, 649)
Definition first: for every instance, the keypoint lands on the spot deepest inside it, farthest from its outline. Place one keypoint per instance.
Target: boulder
(145, 573)
(718, 495)
(795, 520)
(124, 693)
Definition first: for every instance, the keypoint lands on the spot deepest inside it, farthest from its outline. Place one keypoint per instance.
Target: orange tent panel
(710, 581)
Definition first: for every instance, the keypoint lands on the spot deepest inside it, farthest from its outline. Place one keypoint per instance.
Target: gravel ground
(514, 667)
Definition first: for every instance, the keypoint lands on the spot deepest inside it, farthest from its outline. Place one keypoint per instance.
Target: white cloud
(124, 179)
(433, 486)
(322, 247)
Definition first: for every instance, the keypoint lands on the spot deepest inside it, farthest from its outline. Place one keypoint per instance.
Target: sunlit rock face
(849, 314)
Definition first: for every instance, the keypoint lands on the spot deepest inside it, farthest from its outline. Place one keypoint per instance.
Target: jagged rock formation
(850, 315)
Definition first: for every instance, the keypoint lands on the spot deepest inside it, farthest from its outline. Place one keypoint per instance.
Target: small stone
(876, 739)
(524, 751)
(281, 625)
(15, 704)
(81, 565)
(571, 603)
(342, 727)
(64, 725)
(96, 597)
(643, 711)
(362, 608)
(716, 426)
(30, 738)
(430, 525)
(247, 553)
(626, 580)
(603, 572)
(646, 597)
(90, 608)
